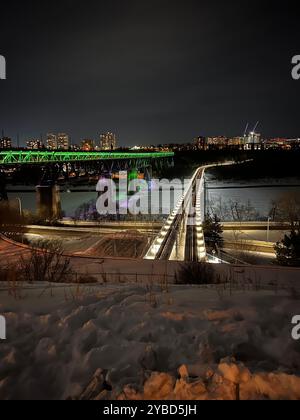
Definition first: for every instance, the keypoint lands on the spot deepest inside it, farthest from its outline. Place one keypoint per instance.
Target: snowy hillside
(139, 342)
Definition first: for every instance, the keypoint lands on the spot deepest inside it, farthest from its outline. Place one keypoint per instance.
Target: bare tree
(288, 210)
(233, 210)
(45, 262)
(242, 212)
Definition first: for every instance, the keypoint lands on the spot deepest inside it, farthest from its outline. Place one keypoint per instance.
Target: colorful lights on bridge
(32, 157)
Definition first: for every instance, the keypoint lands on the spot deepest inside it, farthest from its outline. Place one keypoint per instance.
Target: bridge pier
(3, 194)
(148, 171)
(48, 201)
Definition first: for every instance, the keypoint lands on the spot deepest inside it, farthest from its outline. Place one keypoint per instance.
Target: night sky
(150, 71)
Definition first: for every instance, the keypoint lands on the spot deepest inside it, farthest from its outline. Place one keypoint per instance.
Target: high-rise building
(51, 141)
(60, 141)
(34, 144)
(200, 143)
(108, 141)
(217, 142)
(253, 140)
(87, 145)
(5, 143)
(63, 141)
(74, 147)
(236, 141)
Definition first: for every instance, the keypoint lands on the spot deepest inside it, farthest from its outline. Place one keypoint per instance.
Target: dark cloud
(152, 71)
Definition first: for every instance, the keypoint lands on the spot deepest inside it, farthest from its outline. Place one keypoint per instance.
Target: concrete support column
(48, 201)
(3, 194)
(148, 173)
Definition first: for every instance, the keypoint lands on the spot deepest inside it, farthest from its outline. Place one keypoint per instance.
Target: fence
(119, 277)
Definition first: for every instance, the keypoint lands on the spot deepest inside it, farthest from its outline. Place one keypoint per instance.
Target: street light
(21, 214)
(268, 229)
(20, 205)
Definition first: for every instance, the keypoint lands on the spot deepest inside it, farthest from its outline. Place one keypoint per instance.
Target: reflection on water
(69, 201)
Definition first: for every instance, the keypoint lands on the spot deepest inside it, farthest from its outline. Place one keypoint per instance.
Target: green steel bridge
(43, 157)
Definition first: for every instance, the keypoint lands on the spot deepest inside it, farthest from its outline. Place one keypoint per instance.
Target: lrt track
(168, 243)
(191, 238)
(191, 247)
(182, 220)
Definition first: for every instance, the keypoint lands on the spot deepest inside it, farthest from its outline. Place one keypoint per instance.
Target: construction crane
(255, 127)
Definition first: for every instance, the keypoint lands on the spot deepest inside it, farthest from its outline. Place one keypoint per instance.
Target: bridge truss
(44, 157)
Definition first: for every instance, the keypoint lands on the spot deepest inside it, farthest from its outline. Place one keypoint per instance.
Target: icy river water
(259, 195)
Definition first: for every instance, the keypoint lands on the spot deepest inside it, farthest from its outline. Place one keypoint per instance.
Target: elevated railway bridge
(47, 168)
(53, 164)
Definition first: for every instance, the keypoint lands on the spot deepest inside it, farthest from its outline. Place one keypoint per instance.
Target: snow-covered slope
(132, 342)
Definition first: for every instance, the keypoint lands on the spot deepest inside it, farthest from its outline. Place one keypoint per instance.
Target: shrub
(45, 262)
(288, 250)
(87, 279)
(213, 232)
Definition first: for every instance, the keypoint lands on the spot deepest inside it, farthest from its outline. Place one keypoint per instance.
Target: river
(258, 196)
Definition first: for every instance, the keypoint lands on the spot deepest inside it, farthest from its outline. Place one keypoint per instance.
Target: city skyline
(109, 142)
(151, 73)
(22, 140)
(149, 203)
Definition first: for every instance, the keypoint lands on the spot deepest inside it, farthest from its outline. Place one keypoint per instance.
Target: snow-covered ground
(133, 342)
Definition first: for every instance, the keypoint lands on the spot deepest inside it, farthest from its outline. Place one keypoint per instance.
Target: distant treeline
(266, 164)
(186, 162)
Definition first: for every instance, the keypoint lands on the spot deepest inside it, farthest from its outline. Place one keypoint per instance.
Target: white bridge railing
(181, 210)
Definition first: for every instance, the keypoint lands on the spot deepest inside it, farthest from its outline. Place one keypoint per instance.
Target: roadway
(117, 270)
(271, 237)
(95, 229)
(259, 225)
(254, 236)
